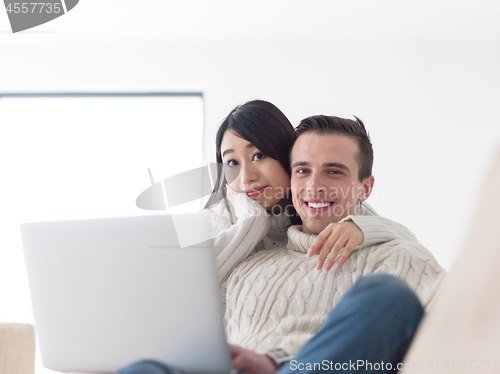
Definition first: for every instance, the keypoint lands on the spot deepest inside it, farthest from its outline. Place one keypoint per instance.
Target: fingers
(244, 360)
(331, 240)
(328, 244)
(239, 361)
(345, 254)
(318, 242)
(331, 248)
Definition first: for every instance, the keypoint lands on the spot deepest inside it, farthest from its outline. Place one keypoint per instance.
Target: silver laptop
(109, 292)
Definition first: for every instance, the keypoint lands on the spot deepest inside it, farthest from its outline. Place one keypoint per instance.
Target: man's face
(325, 184)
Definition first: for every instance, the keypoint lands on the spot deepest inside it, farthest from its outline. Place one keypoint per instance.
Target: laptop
(109, 292)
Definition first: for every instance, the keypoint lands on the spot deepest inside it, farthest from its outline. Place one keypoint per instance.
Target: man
(279, 306)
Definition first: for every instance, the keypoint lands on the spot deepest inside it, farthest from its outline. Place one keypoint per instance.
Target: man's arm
(409, 261)
(377, 230)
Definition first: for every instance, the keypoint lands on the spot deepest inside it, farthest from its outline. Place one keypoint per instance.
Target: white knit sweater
(275, 298)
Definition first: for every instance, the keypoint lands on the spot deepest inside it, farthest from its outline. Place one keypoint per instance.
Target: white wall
(424, 78)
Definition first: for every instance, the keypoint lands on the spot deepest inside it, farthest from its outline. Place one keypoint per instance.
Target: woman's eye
(232, 163)
(257, 156)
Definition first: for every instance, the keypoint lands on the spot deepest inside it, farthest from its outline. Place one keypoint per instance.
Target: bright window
(84, 156)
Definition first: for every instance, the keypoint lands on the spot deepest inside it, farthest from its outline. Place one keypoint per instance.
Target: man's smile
(318, 205)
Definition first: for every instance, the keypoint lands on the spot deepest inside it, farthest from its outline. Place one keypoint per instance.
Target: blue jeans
(368, 331)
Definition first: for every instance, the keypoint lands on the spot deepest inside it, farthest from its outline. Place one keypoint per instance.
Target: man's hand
(332, 239)
(250, 362)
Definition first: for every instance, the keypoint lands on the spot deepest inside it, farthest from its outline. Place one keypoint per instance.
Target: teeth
(318, 205)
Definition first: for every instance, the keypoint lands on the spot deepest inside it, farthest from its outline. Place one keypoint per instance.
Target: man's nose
(315, 184)
(249, 173)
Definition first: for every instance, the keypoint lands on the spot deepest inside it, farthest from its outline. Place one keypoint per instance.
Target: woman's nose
(249, 173)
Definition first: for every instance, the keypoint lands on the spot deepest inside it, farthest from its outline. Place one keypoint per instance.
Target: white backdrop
(422, 75)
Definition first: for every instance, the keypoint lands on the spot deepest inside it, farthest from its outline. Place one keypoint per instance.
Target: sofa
(460, 332)
(17, 348)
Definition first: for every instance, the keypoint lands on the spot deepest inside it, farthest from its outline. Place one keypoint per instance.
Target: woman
(250, 202)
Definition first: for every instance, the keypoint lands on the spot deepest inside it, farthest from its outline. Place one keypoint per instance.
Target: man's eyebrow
(300, 163)
(325, 165)
(335, 165)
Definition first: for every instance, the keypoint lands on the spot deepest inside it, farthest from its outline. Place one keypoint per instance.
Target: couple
(291, 292)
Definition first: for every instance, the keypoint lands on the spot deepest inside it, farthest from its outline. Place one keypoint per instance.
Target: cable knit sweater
(276, 299)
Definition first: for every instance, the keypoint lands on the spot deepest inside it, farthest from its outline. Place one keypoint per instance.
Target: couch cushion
(461, 330)
(17, 348)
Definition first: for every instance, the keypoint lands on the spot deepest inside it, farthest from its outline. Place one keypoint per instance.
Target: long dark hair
(263, 125)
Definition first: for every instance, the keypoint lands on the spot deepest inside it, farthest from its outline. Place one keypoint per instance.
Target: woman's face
(248, 171)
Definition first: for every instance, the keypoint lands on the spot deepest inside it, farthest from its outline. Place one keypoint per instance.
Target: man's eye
(335, 172)
(301, 171)
(257, 156)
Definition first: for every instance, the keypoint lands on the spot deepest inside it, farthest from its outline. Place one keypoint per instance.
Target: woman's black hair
(263, 125)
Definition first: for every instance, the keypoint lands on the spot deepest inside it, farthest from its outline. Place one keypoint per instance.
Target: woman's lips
(255, 191)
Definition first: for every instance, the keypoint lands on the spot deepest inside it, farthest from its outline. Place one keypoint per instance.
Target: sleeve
(411, 262)
(367, 210)
(421, 271)
(234, 243)
(279, 356)
(377, 230)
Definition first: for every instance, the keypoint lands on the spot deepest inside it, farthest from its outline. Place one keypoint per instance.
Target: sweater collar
(299, 241)
(280, 221)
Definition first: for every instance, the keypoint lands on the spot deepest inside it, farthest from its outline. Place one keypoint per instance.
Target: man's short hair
(354, 129)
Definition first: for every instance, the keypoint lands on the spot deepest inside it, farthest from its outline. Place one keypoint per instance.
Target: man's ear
(367, 185)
